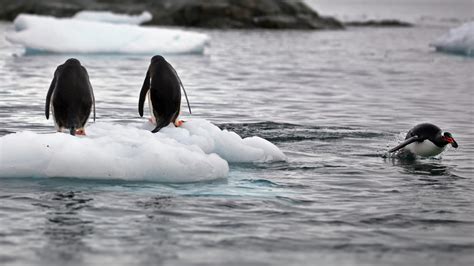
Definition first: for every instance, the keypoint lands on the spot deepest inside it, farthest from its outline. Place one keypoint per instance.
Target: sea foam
(110, 17)
(43, 34)
(458, 40)
(197, 151)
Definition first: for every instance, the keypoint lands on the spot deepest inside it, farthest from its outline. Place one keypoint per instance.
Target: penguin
(163, 87)
(70, 97)
(426, 140)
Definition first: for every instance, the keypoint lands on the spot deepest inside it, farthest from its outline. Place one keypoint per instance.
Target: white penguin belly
(54, 118)
(425, 148)
(150, 105)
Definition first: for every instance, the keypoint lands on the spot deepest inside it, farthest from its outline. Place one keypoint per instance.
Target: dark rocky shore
(379, 23)
(270, 14)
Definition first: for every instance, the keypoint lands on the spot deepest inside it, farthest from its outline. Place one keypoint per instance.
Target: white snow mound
(191, 153)
(43, 34)
(459, 40)
(110, 17)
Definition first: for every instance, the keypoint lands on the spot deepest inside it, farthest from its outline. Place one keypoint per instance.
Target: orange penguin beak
(451, 141)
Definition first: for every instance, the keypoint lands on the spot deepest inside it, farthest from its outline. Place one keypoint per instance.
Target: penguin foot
(178, 123)
(152, 120)
(80, 132)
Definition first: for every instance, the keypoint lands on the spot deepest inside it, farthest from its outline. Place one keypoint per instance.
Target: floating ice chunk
(139, 156)
(190, 153)
(227, 144)
(43, 34)
(459, 40)
(110, 17)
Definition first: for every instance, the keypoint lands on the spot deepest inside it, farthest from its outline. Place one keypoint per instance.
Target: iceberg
(197, 151)
(110, 17)
(43, 34)
(458, 40)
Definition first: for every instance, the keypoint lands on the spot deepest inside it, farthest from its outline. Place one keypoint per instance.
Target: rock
(10, 9)
(379, 23)
(272, 14)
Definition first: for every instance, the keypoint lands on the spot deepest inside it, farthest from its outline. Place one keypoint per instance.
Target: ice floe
(43, 34)
(110, 17)
(458, 40)
(197, 151)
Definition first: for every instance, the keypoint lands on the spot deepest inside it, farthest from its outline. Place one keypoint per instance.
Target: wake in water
(197, 151)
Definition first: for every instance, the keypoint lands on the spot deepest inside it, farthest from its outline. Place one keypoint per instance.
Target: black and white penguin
(163, 87)
(426, 140)
(70, 97)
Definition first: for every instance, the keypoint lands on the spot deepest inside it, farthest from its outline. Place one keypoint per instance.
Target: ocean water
(332, 101)
(425, 12)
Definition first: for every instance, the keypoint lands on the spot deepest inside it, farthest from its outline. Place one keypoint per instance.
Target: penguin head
(447, 138)
(157, 59)
(158, 63)
(72, 61)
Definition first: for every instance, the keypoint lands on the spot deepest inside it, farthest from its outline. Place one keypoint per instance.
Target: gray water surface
(333, 101)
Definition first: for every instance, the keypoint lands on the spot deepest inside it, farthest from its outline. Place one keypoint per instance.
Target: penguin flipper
(181, 84)
(406, 142)
(143, 92)
(48, 96)
(91, 90)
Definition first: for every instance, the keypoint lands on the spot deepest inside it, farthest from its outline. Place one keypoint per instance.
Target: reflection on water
(434, 169)
(416, 166)
(64, 229)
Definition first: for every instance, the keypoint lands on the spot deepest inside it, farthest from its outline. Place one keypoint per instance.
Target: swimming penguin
(426, 140)
(71, 97)
(163, 87)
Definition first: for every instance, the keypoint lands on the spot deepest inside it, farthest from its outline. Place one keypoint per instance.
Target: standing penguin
(71, 97)
(163, 87)
(426, 140)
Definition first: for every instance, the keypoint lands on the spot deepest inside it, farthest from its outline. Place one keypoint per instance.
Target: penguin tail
(160, 123)
(157, 128)
(70, 122)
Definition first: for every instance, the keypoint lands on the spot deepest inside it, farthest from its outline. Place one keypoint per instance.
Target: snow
(43, 34)
(197, 151)
(458, 40)
(110, 17)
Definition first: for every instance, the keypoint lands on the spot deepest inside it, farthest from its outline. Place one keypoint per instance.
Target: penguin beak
(451, 141)
(454, 144)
